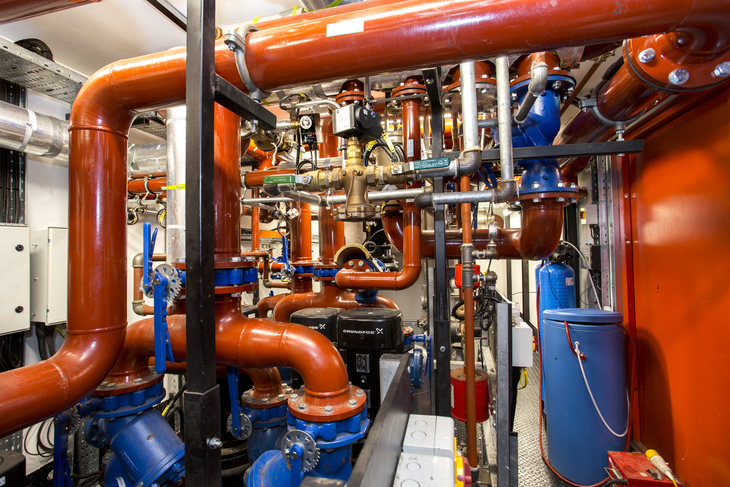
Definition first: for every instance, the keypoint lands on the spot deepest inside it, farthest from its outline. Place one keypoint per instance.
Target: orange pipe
(330, 143)
(155, 185)
(469, 361)
(542, 225)
(301, 235)
(269, 303)
(255, 179)
(434, 32)
(109, 100)
(329, 296)
(227, 178)
(331, 236)
(255, 224)
(411, 271)
(247, 343)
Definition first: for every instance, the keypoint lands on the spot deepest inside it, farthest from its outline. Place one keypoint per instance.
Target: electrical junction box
(49, 271)
(521, 344)
(428, 458)
(15, 284)
(589, 215)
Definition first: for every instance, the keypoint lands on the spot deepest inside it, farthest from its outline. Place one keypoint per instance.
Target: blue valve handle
(295, 459)
(163, 347)
(148, 249)
(233, 396)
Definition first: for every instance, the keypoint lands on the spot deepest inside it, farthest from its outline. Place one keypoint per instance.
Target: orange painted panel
(680, 209)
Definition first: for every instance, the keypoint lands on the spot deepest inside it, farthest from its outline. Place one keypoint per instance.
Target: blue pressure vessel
(577, 438)
(556, 290)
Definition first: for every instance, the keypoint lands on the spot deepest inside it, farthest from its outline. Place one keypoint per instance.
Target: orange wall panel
(680, 211)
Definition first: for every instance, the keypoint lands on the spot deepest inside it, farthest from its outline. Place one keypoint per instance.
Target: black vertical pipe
(202, 399)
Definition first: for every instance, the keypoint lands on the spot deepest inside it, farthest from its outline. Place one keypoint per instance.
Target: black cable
(176, 396)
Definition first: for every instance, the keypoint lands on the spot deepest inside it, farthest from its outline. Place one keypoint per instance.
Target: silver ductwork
(26, 131)
(147, 158)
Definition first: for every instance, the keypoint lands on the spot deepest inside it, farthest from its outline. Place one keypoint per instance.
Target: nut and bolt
(294, 397)
(215, 443)
(246, 393)
(536, 200)
(265, 400)
(570, 90)
(679, 76)
(302, 407)
(722, 70)
(647, 55)
(307, 179)
(293, 455)
(288, 390)
(361, 264)
(104, 384)
(513, 96)
(352, 403)
(359, 392)
(351, 263)
(328, 409)
(557, 85)
(535, 185)
(442, 349)
(235, 259)
(280, 396)
(138, 380)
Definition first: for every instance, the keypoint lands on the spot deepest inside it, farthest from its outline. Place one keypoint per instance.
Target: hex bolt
(288, 390)
(647, 55)
(294, 397)
(359, 392)
(361, 264)
(328, 409)
(19, 248)
(722, 69)
(280, 396)
(679, 76)
(570, 90)
(302, 407)
(535, 185)
(557, 85)
(352, 403)
(265, 400)
(351, 264)
(246, 393)
(138, 380)
(215, 443)
(513, 96)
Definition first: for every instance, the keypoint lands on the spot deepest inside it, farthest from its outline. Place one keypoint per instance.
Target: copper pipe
(226, 174)
(301, 235)
(268, 304)
(12, 10)
(331, 236)
(154, 185)
(255, 224)
(469, 361)
(455, 32)
(142, 175)
(329, 296)
(537, 238)
(255, 179)
(330, 143)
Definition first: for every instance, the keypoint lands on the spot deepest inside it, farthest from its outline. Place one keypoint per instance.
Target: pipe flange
(236, 42)
(265, 400)
(310, 452)
(327, 409)
(413, 89)
(567, 195)
(669, 69)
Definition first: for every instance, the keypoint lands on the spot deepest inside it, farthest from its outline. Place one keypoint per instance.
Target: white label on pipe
(410, 147)
(347, 27)
(570, 281)
(120, 482)
(452, 396)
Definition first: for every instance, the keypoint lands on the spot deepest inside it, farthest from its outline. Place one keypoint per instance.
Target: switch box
(15, 284)
(49, 270)
(521, 344)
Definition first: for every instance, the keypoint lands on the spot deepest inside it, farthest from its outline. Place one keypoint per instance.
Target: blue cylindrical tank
(577, 439)
(556, 290)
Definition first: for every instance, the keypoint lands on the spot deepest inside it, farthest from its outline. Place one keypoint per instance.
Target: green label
(280, 179)
(431, 163)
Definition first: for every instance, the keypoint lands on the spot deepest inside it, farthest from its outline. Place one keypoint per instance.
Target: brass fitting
(353, 180)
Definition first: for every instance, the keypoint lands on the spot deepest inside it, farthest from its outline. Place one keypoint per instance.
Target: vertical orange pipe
(331, 236)
(227, 178)
(471, 413)
(255, 224)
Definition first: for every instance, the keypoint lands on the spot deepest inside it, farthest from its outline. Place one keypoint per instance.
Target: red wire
(539, 398)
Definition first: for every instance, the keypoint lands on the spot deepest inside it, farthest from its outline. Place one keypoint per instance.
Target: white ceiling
(88, 37)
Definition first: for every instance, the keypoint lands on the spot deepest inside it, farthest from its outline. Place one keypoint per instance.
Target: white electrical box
(49, 271)
(521, 344)
(15, 282)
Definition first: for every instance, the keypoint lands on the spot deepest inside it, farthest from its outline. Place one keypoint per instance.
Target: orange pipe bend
(329, 296)
(542, 224)
(269, 303)
(246, 343)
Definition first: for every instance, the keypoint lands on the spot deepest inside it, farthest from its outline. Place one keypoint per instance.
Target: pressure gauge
(306, 122)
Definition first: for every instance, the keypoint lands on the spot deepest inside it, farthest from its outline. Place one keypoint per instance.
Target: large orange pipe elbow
(247, 343)
(12, 10)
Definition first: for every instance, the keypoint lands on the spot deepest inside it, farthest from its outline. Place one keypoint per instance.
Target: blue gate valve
(239, 425)
(162, 284)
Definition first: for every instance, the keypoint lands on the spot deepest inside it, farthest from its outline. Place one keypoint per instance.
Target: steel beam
(202, 399)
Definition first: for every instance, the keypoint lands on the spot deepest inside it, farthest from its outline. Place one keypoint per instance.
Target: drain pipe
(507, 185)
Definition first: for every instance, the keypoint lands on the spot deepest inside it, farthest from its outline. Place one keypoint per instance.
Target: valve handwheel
(310, 452)
(244, 426)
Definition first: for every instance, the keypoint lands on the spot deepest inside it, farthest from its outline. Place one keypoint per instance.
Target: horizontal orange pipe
(542, 225)
(439, 32)
(247, 343)
(329, 296)
(155, 185)
(266, 382)
(269, 303)
(407, 276)
(255, 179)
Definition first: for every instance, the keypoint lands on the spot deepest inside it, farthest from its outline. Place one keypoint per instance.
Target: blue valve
(161, 284)
(239, 425)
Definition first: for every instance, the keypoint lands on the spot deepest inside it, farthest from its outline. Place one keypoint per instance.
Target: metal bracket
(236, 42)
(618, 125)
(242, 105)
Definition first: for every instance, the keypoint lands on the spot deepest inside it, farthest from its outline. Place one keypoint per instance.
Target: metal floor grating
(532, 470)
